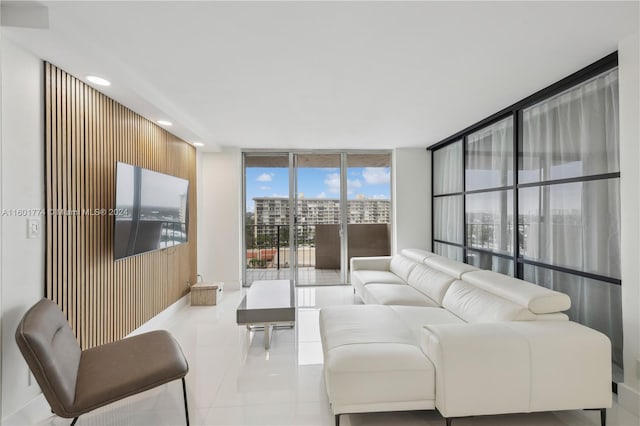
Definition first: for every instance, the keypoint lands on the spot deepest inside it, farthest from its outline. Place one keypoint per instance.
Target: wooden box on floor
(204, 294)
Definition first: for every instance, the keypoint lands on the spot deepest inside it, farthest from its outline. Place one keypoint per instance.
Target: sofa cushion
(416, 317)
(449, 266)
(430, 281)
(360, 376)
(402, 266)
(473, 304)
(417, 255)
(368, 277)
(385, 294)
(372, 361)
(352, 324)
(537, 299)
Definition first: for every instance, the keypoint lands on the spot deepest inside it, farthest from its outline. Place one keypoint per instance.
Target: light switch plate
(33, 228)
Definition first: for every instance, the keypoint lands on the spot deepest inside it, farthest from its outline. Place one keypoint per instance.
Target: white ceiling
(359, 75)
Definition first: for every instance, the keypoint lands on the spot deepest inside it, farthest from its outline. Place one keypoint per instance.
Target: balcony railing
(318, 245)
(268, 246)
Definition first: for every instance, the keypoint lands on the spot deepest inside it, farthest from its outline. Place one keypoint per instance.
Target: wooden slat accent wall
(86, 134)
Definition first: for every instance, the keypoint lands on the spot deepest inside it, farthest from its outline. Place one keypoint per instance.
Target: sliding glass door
(307, 213)
(267, 236)
(318, 222)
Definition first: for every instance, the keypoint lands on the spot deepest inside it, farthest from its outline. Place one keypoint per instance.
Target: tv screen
(151, 213)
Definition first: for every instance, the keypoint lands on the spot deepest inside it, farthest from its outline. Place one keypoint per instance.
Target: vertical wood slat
(86, 134)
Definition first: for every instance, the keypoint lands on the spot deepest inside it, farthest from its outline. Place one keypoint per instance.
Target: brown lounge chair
(75, 382)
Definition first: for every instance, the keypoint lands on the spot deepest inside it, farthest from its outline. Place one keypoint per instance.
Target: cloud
(333, 183)
(380, 197)
(265, 177)
(274, 195)
(265, 188)
(322, 195)
(376, 175)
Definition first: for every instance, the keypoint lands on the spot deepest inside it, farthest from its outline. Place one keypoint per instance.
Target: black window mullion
(433, 195)
(587, 178)
(570, 271)
(490, 252)
(480, 191)
(464, 198)
(449, 243)
(517, 139)
(448, 195)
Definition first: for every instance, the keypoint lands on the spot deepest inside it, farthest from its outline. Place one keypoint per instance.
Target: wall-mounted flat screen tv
(151, 212)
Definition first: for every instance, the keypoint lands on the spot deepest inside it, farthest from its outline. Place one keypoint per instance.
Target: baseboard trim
(159, 320)
(629, 399)
(232, 285)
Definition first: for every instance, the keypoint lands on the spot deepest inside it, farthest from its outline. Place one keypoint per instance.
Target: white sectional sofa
(439, 334)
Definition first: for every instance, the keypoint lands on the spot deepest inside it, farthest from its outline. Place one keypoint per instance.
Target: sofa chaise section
(436, 333)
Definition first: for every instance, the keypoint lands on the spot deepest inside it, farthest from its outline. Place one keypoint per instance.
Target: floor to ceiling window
(307, 213)
(534, 192)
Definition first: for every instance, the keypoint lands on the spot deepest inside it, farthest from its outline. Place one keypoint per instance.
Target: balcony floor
(306, 275)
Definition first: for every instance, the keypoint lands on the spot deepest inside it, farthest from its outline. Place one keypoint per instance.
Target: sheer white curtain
(490, 156)
(447, 179)
(572, 134)
(446, 250)
(447, 212)
(447, 173)
(577, 224)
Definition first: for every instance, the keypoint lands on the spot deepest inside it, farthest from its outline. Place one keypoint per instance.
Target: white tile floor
(234, 381)
(306, 275)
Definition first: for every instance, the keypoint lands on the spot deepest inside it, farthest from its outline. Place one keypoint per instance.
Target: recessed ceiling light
(164, 122)
(198, 144)
(98, 80)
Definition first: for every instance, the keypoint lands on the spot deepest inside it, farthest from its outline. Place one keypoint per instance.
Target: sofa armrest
(377, 263)
(518, 366)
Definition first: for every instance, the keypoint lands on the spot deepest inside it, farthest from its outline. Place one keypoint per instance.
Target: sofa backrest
(537, 299)
(417, 255)
(430, 282)
(402, 266)
(449, 266)
(473, 304)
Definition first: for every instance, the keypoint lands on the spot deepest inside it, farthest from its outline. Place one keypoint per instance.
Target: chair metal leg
(337, 416)
(186, 407)
(75, 419)
(603, 417)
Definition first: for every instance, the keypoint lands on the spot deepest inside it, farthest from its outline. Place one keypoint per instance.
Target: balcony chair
(76, 381)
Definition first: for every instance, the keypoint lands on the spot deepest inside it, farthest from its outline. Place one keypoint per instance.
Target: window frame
(515, 111)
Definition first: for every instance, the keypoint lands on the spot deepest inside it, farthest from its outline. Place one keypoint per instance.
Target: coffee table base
(268, 304)
(268, 329)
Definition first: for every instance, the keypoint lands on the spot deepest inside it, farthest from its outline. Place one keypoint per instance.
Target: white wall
(411, 199)
(22, 261)
(220, 218)
(629, 73)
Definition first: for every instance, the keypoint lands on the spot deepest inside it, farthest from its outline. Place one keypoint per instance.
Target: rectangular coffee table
(268, 303)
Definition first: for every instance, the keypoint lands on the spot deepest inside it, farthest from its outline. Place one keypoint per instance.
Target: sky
(362, 182)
